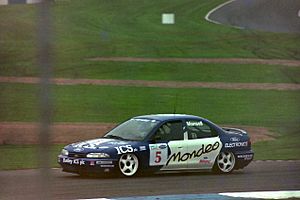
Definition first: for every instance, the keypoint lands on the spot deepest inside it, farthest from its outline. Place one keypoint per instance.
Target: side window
(169, 131)
(198, 129)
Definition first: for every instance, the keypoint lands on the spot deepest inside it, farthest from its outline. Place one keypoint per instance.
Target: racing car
(160, 143)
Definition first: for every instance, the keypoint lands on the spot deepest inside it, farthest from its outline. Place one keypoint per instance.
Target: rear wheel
(128, 164)
(225, 162)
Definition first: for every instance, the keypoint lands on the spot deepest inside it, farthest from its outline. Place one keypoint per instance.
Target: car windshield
(133, 129)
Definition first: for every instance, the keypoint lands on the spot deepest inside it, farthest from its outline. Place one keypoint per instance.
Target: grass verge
(133, 28)
(88, 103)
(25, 156)
(240, 73)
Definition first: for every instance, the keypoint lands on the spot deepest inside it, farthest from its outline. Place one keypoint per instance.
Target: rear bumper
(86, 166)
(243, 159)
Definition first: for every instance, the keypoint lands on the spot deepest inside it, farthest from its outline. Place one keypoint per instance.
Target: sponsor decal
(158, 154)
(78, 149)
(153, 147)
(194, 123)
(163, 146)
(234, 139)
(236, 144)
(158, 147)
(67, 160)
(205, 160)
(103, 162)
(92, 163)
(246, 156)
(142, 148)
(105, 166)
(124, 149)
(104, 147)
(92, 144)
(179, 157)
(73, 162)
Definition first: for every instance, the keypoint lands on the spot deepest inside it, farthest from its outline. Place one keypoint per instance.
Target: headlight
(97, 155)
(64, 152)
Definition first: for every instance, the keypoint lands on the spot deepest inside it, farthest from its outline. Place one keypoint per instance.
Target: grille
(77, 155)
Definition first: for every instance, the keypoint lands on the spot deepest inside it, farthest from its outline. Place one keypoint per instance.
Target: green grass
(183, 72)
(25, 156)
(132, 28)
(87, 103)
(284, 147)
(241, 73)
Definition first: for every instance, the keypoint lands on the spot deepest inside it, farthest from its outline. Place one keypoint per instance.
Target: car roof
(167, 117)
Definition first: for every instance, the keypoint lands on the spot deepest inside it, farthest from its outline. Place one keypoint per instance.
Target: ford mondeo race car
(160, 143)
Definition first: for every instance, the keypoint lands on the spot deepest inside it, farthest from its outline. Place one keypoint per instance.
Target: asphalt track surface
(264, 15)
(258, 176)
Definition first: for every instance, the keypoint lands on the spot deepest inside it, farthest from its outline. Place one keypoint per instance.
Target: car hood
(95, 144)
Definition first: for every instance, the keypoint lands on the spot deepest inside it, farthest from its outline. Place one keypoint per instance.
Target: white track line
(265, 195)
(255, 195)
(217, 8)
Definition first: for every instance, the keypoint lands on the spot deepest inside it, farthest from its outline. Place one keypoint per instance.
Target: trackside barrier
(9, 2)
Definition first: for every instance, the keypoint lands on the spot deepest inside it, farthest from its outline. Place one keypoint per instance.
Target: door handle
(180, 147)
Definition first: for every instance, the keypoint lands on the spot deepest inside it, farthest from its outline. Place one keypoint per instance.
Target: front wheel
(128, 164)
(225, 162)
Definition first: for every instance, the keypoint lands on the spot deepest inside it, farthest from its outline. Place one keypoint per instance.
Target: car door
(169, 146)
(204, 144)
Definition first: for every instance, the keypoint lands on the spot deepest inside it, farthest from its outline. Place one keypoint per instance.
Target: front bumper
(86, 165)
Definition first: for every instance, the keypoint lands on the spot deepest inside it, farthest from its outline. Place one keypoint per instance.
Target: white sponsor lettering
(246, 156)
(91, 144)
(75, 162)
(67, 160)
(124, 149)
(142, 148)
(195, 123)
(236, 144)
(234, 139)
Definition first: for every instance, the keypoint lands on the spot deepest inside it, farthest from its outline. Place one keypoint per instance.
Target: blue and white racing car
(160, 143)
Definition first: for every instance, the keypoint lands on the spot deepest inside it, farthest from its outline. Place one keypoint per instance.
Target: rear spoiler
(235, 130)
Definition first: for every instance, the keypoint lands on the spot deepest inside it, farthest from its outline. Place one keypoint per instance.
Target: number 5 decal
(158, 157)
(158, 154)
